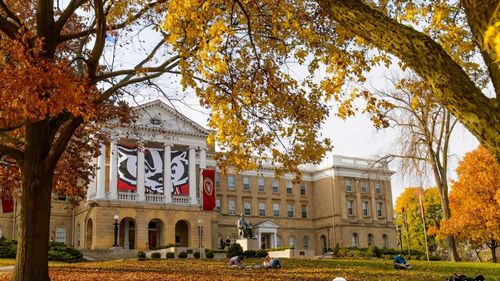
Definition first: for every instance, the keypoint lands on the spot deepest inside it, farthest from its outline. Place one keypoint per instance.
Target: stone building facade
(347, 202)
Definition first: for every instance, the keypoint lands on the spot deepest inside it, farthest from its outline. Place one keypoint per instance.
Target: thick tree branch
(16, 154)
(67, 13)
(8, 28)
(96, 53)
(453, 88)
(479, 14)
(125, 23)
(61, 142)
(9, 13)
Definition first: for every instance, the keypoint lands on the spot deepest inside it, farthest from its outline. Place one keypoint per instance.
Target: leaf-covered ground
(303, 269)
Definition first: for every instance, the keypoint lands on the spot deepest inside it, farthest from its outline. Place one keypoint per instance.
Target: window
(348, 185)
(350, 207)
(323, 244)
(354, 241)
(364, 186)
(289, 207)
(60, 234)
(279, 241)
(247, 208)
(378, 188)
(289, 189)
(302, 188)
(217, 181)
(379, 209)
(275, 186)
(365, 208)
(304, 212)
(385, 238)
(230, 182)
(231, 207)
(370, 239)
(217, 205)
(246, 183)
(276, 209)
(262, 209)
(291, 242)
(261, 184)
(306, 242)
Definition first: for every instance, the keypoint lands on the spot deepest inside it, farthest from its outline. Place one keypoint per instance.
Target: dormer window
(155, 121)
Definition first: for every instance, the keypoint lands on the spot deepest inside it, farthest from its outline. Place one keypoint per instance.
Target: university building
(347, 202)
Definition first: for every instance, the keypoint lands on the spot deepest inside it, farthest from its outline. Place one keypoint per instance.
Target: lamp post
(115, 228)
(200, 233)
(400, 239)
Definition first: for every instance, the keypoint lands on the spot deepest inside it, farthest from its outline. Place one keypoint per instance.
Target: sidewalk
(6, 268)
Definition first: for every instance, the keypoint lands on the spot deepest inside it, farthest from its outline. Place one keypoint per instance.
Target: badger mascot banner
(153, 166)
(180, 172)
(127, 168)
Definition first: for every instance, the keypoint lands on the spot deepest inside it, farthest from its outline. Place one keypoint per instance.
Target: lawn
(295, 269)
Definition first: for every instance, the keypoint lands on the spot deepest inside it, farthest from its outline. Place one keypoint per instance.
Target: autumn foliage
(475, 210)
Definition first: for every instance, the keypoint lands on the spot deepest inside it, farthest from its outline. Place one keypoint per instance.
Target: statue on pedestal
(245, 230)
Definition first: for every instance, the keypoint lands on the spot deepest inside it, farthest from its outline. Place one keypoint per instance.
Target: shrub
(156, 255)
(434, 258)
(141, 255)
(234, 250)
(8, 248)
(170, 255)
(182, 255)
(209, 254)
(355, 253)
(343, 252)
(261, 254)
(196, 255)
(61, 252)
(335, 251)
(249, 254)
(373, 251)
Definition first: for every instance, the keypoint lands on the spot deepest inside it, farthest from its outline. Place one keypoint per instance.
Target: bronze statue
(245, 230)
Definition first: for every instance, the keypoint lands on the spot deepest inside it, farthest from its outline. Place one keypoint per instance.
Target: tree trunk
(34, 207)
(450, 240)
(493, 248)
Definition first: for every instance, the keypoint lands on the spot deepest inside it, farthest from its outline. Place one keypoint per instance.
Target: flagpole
(419, 192)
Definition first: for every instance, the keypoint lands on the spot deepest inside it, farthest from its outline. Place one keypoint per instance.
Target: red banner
(7, 201)
(208, 189)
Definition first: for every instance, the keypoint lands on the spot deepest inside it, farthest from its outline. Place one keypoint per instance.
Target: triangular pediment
(267, 224)
(159, 115)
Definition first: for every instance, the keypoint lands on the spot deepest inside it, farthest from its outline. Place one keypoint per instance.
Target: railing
(155, 198)
(126, 196)
(353, 219)
(181, 200)
(382, 220)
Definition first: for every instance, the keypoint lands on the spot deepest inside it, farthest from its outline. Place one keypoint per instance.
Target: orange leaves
(34, 88)
(475, 211)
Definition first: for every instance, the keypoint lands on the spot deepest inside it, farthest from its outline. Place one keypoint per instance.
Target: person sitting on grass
(400, 263)
(236, 262)
(271, 263)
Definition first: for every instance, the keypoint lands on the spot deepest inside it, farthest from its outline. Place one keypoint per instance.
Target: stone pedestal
(248, 244)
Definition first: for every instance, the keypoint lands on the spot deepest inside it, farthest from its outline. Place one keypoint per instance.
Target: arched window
(291, 241)
(355, 239)
(385, 238)
(279, 243)
(306, 242)
(323, 243)
(370, 239)
(60, 234)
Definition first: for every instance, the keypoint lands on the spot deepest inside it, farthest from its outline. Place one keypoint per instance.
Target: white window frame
(230, 182)
(348, 184)
(350, 207)
(262, 209)
(289, 210)
(246, 183)
(276, 186)
(289, 187)
(60, 235)
(365, 206)
(380, 209)
(231, 207)
(276, 209)
(247, 208)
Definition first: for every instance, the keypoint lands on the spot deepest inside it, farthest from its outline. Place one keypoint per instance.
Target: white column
(167, 172)
(92, 181)
(203, 158)
(140, 173)
(259, 241)
(275, 240)
(101, 173)
(192, 175)
(113, 170)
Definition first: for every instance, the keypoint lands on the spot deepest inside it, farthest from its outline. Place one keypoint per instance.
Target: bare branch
(67, 13)
(96, 53)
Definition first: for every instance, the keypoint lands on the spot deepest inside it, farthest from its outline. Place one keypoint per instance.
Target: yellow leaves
(492, 40)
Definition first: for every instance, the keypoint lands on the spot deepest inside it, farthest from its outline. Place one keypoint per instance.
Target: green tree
(408, 200)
